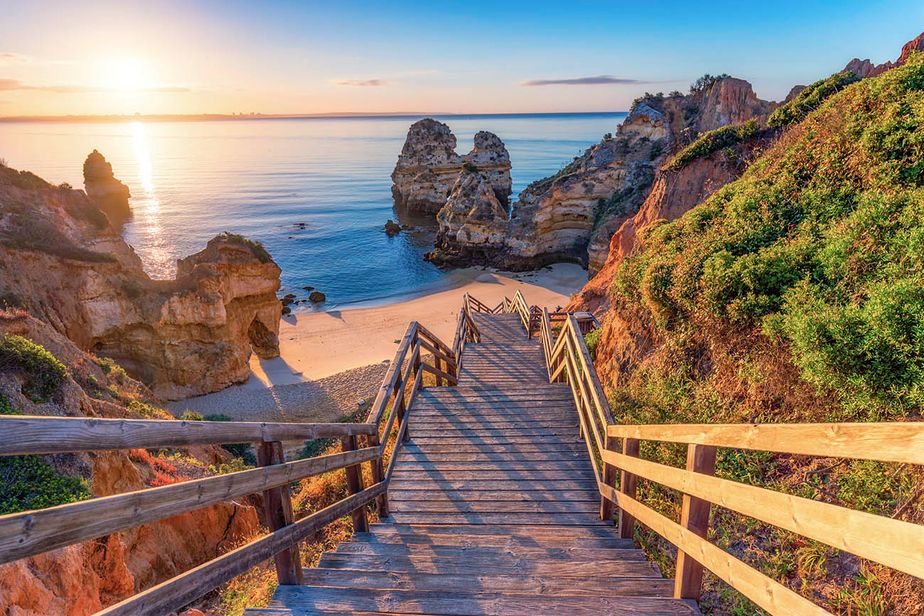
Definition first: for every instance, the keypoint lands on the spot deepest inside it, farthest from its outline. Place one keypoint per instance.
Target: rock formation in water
(572, 215)
(473, 219)
(84, 578)
(109, 194)
(62, 261)
(428, 166)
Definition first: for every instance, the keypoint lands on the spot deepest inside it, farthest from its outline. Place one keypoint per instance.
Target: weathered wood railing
(33, 532)
(615, 448)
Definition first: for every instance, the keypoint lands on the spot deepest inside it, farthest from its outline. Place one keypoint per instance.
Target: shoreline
(321, 345)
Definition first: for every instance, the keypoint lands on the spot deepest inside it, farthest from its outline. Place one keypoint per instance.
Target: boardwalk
(494, 508)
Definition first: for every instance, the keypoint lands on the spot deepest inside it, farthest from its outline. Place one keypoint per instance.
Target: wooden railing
(33, 532)
(614, 454)
(520, 307)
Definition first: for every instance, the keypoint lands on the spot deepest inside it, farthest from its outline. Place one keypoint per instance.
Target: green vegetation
(591, 339)
(191, 416)
(240, 450)
(809, 99)
(255, 247)
(706, 81)
(26, 482)
(148, 411)
(6, 407)
(27, 230)
(713, 141)
(820, 245)
(44, 373)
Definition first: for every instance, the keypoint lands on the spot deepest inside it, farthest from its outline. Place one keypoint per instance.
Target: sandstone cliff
(572, 215)
(62, 261)
(82, 579)
(104, 190)
(429, 166)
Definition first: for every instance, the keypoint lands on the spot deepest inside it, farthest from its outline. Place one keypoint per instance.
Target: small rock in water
(287, 299)
(308, 288)
(317, 297)
(392, 228)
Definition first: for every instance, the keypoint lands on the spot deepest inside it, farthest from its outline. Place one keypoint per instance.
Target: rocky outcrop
(473, 223)
(428, 166)
(865, 68)
(83, 578)
(62, 261)
(572, 215)
(105, 191)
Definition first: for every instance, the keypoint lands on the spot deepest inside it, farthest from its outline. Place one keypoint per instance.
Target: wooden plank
(430, 563)
(384, 393)
(476, 446)
(562, 519)
(893, 543)
(529, 536)
(694, 516)
(25, 434)
(512, 440)
(505, 556)
(181, 590)
(561, 533)
(627, 485)
(884, 442)
(475, 432)
(485, 422)
(541, 507)
(521, 584)
(409, 455)
(433, 495)
(517, 468)
(762, 590)
(34, 532)
(354, 482)
(462, 481)
(277, 513)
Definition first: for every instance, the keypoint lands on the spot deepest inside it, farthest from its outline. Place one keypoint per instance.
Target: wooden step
(508, 555)
(432, 495)
(521, 584)
(303, 600)
(488, 536)
(558, 519)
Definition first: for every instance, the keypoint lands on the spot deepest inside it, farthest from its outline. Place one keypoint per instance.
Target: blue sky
(305, 57)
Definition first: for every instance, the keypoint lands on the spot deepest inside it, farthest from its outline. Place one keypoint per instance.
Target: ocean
(316, 192)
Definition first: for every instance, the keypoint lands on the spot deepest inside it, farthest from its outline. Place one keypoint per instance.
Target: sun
(125, 75)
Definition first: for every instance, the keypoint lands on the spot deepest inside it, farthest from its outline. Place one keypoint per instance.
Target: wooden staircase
(494, 507)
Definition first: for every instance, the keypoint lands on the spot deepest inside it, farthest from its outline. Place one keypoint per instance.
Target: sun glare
(125, 75)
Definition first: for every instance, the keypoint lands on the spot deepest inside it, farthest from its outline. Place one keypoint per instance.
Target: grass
(27, 230)
(44, 373)
(794, 294)
(256, 248)
(713, 141)
(27, 482)
(809, 99)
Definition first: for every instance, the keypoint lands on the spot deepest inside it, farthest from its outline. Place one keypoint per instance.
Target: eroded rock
(109, 194)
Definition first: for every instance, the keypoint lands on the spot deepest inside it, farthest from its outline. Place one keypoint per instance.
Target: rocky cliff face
(572, 215)
(473, 220)
(82, 579)
(62, 261)
(429, 166)
(104, 190)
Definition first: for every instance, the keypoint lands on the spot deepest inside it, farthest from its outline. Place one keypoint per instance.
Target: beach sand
(318, 345)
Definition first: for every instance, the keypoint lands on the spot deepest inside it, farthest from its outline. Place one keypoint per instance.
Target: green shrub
(26, 482)
(44, 373)
(192, 416)
(6, 407)
(809, 99)
(592, 339)
(713, 141)
(258, 250)
(244, 451)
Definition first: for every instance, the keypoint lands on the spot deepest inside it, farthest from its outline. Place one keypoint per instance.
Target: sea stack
(428, 166)
(109, 194)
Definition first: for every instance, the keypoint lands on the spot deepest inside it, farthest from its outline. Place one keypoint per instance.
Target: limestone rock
(108, 193)
(392, 228)
(428, 166)
(182, 337)
(316, 297)
(472, 223)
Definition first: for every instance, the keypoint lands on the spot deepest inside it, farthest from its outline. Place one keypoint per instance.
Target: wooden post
(609, 478)
(627, 484)
(694, 516)
(277, 509)
(398, 404)
(439, 366)
(354, 480)
(378, 475)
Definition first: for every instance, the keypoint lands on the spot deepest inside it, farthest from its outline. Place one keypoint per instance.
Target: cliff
(572, 215)
(104, 190)
(62, 261)
(792, 293)
(429, 166)
(44, 373)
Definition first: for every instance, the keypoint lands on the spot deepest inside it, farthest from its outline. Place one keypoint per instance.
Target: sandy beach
(318, 349)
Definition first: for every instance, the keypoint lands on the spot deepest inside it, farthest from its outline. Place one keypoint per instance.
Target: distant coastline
(219, 117)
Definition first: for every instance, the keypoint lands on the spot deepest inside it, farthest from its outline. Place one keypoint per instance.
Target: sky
(229, 56)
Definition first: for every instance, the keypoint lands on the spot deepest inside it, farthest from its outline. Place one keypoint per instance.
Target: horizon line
(193, 117)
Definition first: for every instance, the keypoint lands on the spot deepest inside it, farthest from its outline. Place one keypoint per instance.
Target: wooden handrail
(893, 543)
(33, 532)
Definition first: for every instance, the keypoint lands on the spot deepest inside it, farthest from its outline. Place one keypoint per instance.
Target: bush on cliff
(795, 293)
(713, 141)
(44, 373)
(809, 99)
(26, 482)
(258, 250)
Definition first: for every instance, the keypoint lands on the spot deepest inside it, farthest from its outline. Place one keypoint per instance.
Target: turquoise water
(263, 178)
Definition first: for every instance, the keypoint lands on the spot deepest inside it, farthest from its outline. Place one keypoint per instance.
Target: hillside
(794, 293)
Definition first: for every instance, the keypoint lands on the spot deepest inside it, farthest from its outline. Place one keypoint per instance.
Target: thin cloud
(365, 83)
(11, 57)
(9, 85)
(597, 80)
